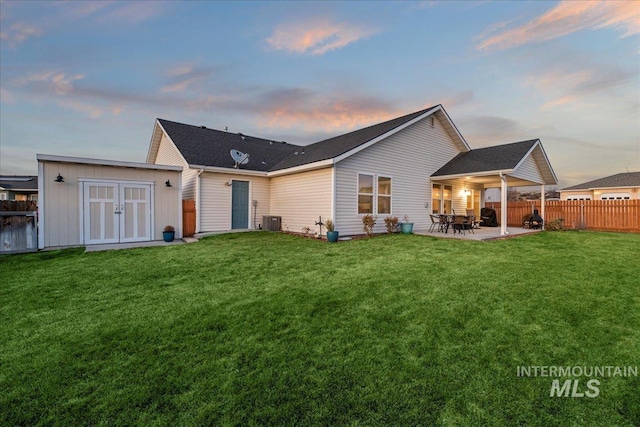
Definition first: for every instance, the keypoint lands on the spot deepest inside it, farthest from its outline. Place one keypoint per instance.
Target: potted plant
(169, 233)
(332, 235)
(406, 227)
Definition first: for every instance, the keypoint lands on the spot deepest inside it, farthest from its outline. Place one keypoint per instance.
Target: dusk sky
(88, 79)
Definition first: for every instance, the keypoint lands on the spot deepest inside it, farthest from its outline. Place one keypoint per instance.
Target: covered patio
(511, 165)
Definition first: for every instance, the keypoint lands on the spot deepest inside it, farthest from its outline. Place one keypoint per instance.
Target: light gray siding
(189, 177)
(215, 200)
(301, 198)
(409, 157)
(529, 170)
(168, 154)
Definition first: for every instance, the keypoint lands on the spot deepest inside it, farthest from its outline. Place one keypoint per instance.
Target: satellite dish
(239, 157)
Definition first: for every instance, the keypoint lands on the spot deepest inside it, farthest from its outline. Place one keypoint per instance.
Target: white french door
(116, 212)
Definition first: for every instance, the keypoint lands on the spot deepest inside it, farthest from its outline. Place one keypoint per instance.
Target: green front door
(240, 204)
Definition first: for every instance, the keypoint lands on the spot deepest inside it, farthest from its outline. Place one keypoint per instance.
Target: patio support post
(503, 205)
(542, 203)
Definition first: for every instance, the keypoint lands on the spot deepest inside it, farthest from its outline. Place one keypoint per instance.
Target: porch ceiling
(487, 180)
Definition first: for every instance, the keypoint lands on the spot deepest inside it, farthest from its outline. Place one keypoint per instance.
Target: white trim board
(102, 162)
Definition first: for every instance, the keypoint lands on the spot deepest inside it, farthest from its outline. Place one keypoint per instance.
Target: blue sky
(88, 79)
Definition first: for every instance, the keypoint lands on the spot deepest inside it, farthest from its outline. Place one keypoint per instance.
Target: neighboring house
(19, 187)
(90, 201)
(412, 165)
(621, 186)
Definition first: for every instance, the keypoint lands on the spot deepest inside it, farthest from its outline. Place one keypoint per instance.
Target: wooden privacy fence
(18, 226)
(188, 217)
(606, 215)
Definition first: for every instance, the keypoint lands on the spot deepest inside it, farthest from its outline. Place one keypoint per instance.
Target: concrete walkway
(115, 246)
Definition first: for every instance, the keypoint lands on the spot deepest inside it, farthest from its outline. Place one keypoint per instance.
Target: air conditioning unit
(271, 223)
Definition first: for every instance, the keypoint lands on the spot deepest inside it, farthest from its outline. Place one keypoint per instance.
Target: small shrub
(391, 222)
(555, 225)
(306, 230)
(329, 224)
(169, 228)
(368, 222)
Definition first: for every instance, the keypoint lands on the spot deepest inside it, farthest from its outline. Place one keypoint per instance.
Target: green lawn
(271, 329)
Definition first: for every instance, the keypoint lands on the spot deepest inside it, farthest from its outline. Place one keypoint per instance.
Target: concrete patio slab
(115, 246)
(482, 233)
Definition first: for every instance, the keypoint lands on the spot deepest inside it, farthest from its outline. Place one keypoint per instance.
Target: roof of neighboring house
(489, 159)
(208, 147)
(19, 183)
(625, 179)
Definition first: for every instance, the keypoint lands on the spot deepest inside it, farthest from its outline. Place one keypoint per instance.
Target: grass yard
(271, 329)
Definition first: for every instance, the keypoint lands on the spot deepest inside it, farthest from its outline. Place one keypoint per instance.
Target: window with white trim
(436, 199)
(384, 195)
(447, 199)
(374, 194)
(365, 193)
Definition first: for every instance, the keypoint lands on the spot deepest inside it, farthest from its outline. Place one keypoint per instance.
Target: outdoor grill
(535, 220)
(488, 217)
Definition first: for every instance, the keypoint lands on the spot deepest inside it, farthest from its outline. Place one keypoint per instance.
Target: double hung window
(374, 194)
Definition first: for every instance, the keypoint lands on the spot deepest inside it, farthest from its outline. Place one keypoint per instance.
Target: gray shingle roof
(499, 157)
(336, 146)
(625, 179)
(19, 182)
(209, 147)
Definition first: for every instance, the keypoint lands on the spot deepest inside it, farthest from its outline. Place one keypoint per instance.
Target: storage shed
(90, 201)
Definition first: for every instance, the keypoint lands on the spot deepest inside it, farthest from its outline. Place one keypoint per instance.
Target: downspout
(198, 211)
(333, 194)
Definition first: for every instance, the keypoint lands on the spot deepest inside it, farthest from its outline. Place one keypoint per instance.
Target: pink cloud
(59, 83)
(183, 77)
(19, 32)
(315, 38)
(6, 97)
(568, 17)
(336, 115)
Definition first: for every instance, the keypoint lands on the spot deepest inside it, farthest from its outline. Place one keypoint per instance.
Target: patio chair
(445, 222)
(472, 219)
(435, 222)
(460, 224)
